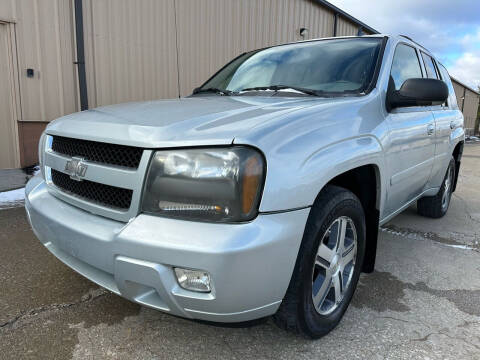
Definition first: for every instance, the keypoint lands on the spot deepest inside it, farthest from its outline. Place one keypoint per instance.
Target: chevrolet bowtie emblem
(76, 169)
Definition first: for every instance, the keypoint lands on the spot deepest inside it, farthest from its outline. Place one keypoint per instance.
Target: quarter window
(446, 77)
(405, 65)
(429, 66)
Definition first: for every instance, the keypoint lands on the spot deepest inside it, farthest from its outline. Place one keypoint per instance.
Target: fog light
(193, 280)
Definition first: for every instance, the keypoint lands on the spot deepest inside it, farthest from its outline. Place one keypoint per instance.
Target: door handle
(452, 125)
(430, 129)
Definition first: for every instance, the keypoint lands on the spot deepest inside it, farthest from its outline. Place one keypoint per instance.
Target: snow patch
(12, 199)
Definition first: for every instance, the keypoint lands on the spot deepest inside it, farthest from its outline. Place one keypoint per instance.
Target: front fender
(294, 180)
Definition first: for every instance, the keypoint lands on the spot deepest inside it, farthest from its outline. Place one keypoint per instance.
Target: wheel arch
(365, 182)
(457, 155)
(359, 165)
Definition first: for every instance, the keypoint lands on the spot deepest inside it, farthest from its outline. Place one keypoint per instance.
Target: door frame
(14, 84)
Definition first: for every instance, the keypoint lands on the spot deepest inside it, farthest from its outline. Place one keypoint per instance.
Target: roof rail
(409, 38)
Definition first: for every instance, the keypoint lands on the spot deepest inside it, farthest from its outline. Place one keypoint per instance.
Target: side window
(452, 100)
(429, 66)
(405, 65)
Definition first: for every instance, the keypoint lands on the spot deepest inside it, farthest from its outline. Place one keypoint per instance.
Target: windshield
(336, 66)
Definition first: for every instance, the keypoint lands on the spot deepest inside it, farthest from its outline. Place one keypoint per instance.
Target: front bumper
(250, 263)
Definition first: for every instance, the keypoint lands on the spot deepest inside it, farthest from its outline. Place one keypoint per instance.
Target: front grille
(112, 154)
(107, 195)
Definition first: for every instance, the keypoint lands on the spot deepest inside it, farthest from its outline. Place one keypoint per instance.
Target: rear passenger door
(410, 145)
(448, 119)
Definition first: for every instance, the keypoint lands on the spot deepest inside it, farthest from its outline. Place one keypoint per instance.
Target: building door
(8, 133)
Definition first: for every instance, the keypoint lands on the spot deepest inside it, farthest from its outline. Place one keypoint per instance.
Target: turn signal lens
(251, 182)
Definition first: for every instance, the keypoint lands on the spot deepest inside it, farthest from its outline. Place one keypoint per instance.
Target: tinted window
(430, 67)
(329, 66)
(446, 78)
(405, 65)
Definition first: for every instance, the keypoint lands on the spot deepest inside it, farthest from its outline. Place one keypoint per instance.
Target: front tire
(437, 206)
(328, 265)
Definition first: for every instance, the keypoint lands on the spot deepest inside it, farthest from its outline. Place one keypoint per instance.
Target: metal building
(62, 56)
(468, 101)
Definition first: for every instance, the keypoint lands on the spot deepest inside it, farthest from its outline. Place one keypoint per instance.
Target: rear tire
(437, 206)
(328, 266)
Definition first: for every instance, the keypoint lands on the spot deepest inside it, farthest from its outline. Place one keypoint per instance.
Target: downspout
(335, 21)
(82, 76)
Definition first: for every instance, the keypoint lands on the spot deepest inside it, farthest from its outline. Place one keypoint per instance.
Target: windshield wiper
(213, 90)
(283, 87)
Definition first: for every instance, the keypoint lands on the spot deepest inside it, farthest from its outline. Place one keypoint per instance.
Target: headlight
(218, 184)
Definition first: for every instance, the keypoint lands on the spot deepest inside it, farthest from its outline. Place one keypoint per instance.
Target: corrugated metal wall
(346, 28)
(468, 100)
(9, 154)
(43, 33)
(470, 109)
(239, 26)
(138, 50)
(131, 46)
(130, 49)
(45, 44)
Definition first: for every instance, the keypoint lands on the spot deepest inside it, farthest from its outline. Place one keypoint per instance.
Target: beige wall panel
(212, 32)
(45, 44)
(458, 92)
(470, 109)
(346, 28)
(7, 10)
(470, 104)
(8, 139)
(130, 50)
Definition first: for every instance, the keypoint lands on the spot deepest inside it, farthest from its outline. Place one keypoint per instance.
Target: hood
(200, 120)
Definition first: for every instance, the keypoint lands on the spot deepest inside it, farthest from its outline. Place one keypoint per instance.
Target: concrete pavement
(422, 302)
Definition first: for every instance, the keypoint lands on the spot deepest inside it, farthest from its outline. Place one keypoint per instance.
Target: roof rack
(409, 38)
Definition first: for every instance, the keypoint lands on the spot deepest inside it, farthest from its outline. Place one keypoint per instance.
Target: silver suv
(262, 192)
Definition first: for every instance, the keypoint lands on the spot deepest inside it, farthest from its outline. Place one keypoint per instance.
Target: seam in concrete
(419, 235)
(52, 307)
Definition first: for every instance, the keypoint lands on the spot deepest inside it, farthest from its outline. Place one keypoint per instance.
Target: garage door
(8, 137)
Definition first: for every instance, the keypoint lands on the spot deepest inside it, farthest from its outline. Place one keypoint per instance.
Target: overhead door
(8, 137)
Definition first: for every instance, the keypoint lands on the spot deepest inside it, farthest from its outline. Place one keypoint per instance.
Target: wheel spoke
(324, 255)
(341, 234)
(446, 190)
(334, 265)
(337, 284)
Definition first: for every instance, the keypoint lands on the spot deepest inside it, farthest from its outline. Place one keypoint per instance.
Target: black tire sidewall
(344, 204)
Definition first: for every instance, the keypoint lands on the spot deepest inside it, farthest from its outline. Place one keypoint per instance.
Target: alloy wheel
(334, 265)
(447, 188)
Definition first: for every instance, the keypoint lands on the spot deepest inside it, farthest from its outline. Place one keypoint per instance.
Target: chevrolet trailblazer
(262, 192)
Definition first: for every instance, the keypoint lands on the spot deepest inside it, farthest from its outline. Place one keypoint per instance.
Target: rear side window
(452, 100)
(405, 65)
(429, 66)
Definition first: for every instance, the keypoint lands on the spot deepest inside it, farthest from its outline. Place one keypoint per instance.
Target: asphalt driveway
(423, 301)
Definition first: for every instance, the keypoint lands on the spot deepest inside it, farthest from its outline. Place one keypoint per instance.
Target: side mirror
(418, 92)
